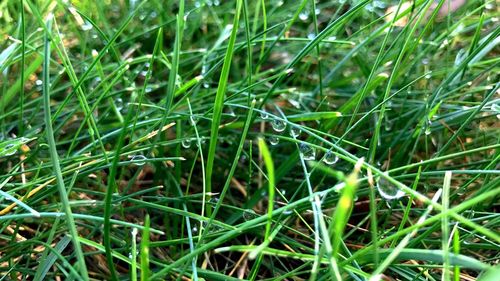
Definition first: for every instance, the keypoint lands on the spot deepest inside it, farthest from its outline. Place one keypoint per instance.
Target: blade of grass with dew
(343, 211)
(404, 242)
(249, 224)
(219, 102)
(234, 166)
(55, 157)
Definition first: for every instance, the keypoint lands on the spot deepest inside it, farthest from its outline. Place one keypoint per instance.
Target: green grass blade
(219, 102)
(55, 157)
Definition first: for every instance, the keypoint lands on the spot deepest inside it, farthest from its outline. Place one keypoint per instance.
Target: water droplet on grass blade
(308, 152)
(193, 120)
(9, 149)
(427, 130)
(304, 15)
(278, 125)
(274, 140)
(330, 158)
(186, 143)
(138, 160)
(264, 115)
(387, 190)
(87, 26)
(295, 132)
(119, 103)
(495, 107)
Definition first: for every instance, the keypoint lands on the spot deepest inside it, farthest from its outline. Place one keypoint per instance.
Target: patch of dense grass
(256, 140)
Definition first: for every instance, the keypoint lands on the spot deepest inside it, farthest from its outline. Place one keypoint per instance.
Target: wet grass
(255, 140)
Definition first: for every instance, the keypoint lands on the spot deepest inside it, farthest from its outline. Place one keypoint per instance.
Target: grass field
(254, 140)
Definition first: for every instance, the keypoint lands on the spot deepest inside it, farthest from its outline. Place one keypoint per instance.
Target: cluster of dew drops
(387, 190)
(308, 152)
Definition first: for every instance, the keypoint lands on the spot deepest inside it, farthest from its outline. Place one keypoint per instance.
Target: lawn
(249, 140)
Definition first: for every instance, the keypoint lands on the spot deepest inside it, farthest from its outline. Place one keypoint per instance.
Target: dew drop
(311, 36)
(214, 200)
(317, 11)
(87, 26)
(193, 120)
(304, 15)
(197, 4)
(295, 132)
(39, 82)
(264, 115)
(9, 150)
(427, 130)
(278, 125)
(194, 230)
(138, 159)
(186, 143)
(274, 140)
(379, 4)
(308, 152)
(330, 158)
(496, 107)
(119, 104)
(387, 190)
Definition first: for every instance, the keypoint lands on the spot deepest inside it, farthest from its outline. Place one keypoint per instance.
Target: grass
(254, 140)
